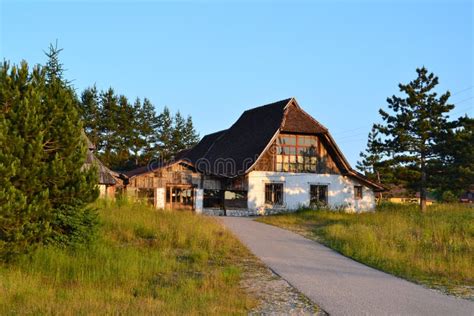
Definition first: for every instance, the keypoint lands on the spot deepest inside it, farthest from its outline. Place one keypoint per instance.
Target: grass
(435, 248)
(144, 262)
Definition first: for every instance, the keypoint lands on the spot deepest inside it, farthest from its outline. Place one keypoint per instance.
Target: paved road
(337, 284)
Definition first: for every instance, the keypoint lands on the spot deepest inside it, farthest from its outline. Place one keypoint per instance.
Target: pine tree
(164, 134)
(372, 157)
(44, 189)
(90, 114)
(24, 199)
(190, 136)
(138, 142)
(70, 187)
(128, 136)
(177, 136)
(125, 119)
(413, 129)
(453, 171)
(147, 125)
(108, 127)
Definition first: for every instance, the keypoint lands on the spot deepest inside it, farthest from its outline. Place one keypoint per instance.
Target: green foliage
(43, 188)
(434, 248)
(129, 135)
(165, 134)
(143, 262)
(412, 147)
(453, 170)
(449, 197)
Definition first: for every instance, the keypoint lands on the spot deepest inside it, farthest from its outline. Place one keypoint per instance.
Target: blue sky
(213, 60)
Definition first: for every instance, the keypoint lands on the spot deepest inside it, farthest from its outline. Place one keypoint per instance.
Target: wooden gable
(299, 122)
(326, 163)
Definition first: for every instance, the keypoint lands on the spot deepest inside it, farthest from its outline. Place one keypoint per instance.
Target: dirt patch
(275, 295)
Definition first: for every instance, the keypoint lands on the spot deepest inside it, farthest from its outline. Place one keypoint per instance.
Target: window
(318, 195)
(274, 193)
(212, 198)
(296, 153)
(358, 192)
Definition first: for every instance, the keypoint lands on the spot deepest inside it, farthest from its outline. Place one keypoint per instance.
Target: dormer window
(296, 153)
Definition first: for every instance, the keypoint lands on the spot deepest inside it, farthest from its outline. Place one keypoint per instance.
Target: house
(274, 158)
(400, 195)
(410, 200)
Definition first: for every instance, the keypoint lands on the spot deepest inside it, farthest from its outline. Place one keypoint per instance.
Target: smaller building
(400, 195)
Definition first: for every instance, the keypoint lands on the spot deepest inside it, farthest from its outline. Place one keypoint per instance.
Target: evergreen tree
(147, 125)
(453, 171)
(70, 187)
(414, 128)
(24, 200)
(138, 142)
(90, 113)
(372, 157)
(190, 136)
(126, 135)
(44, 189)
(177, 137)
(164, 133)
(125, 119)
(108, 128)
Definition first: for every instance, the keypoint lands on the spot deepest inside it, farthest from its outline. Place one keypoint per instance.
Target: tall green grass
(145, 261)
(435, 248)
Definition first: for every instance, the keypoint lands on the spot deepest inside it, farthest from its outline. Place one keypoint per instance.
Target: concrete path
(337, 284)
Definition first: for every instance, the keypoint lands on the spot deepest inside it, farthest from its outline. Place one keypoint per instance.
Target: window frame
(358, 192)
(290, 152)
(273, 192)
(317, 187)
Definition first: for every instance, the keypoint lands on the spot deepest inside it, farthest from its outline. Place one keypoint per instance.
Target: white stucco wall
(296, 190)
(198, 200)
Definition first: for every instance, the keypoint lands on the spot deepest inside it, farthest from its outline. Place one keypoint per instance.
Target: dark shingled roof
(200, 149)
(141, 170)
(242, 143)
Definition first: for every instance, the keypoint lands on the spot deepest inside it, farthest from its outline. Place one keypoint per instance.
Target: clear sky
(213, 60)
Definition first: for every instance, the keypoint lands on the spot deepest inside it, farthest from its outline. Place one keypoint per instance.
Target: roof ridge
(269, 104)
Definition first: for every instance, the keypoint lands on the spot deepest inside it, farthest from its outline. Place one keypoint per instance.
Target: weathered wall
(174, 174)
(107, 191)
(296, 191)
